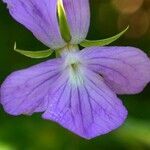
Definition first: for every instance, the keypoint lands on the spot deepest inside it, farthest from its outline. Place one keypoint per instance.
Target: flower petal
(78, 15)
(27, 91)
(126, 70)
(89, 110)
(40, 17)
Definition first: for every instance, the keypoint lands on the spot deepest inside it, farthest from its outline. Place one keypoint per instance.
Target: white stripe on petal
(74, 67)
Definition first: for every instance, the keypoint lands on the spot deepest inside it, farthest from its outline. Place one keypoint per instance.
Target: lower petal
(88, 110)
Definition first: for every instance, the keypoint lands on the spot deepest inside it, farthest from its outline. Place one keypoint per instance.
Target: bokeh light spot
(138, 22)
(127, 6)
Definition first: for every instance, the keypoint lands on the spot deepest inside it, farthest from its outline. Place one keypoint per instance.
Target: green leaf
(63, 24)
(34, 54)
(103, 42)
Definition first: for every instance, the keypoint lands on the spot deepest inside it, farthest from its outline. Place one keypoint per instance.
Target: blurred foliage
(33, 133)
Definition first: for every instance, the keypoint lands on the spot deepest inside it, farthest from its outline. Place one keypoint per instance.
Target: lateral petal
(126, 70)
(27, 91)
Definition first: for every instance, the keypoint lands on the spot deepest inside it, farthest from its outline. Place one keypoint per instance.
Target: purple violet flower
(79, 89)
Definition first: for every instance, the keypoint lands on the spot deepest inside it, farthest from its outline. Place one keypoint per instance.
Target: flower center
(76, 74)
(74, 66)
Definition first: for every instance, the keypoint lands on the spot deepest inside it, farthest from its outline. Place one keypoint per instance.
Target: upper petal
(78, 15)
(88, 110)
(27, 91)
(40, 17)
(126, 70)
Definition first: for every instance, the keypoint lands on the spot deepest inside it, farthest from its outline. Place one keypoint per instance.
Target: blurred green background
(32, 133)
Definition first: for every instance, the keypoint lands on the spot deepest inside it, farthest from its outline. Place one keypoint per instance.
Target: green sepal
(34, 54)
(103, 42)
(63, 24)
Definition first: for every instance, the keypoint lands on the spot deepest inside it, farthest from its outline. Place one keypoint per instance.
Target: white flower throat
(74, 65)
